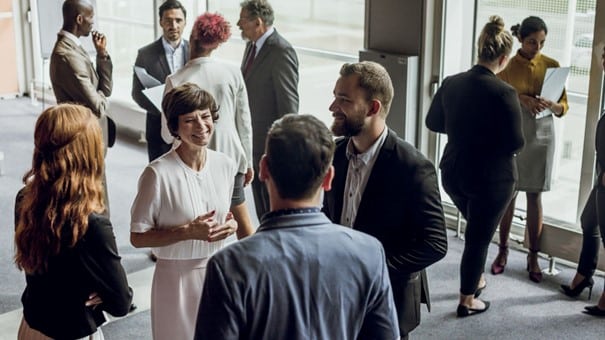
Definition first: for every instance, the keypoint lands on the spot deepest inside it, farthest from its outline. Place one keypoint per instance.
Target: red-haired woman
(63, 243)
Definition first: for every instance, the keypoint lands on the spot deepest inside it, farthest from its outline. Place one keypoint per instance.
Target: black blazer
(153, 59)
(481, 115)
(401, 207)
(53, 302)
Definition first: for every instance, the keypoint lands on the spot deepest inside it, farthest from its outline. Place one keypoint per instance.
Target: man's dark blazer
(153, 59)
(272, 85)
(401, 207)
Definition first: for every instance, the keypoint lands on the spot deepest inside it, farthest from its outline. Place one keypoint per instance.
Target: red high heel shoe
(500, 260)
(533, 276)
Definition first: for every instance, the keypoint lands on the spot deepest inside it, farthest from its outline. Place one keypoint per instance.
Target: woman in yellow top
(525, 72)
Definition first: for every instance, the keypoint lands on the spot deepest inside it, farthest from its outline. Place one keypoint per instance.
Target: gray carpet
(520, 308)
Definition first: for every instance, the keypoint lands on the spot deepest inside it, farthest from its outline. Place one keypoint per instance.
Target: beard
(347, 127)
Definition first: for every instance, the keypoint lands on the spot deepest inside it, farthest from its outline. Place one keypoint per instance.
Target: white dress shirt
(174, 55)
(171, 194)
(358, 172)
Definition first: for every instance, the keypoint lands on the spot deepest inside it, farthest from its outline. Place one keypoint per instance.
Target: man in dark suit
(160, 59)
(270, 68)
(385, 187)
(299, 276)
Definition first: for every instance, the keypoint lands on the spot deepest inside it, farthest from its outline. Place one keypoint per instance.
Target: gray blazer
(75, 79)
(298, 277)
(272, 84)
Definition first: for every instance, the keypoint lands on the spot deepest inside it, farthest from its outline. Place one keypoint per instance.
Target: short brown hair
(184, 99)
(375, 81)
(299, 151)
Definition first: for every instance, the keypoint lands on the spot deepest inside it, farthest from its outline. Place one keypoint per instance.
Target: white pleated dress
(172, 194)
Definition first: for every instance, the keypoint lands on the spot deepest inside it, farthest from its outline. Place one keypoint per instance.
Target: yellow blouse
(526, 76)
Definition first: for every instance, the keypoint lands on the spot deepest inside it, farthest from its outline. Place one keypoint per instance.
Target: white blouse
(171, 194)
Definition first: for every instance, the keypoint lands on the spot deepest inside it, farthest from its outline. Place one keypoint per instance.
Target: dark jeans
(593, 219)
(482, 204)
(155, 144)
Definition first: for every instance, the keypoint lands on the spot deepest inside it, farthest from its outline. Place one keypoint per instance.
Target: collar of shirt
(71, 37)
(169, 48)
(199, 60)
(290, 211)
(370, 155)
(261, 41)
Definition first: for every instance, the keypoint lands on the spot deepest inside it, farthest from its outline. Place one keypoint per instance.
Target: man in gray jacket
(299, 276)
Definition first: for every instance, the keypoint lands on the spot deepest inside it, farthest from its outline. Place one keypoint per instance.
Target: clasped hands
(206, 227)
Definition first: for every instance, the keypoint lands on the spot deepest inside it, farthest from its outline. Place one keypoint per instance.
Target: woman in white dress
(182, 211)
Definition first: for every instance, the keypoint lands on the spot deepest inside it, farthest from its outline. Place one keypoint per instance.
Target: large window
(569, 41)
(325, 34)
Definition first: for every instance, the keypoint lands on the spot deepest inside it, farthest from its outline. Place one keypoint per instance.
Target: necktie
(250, 58)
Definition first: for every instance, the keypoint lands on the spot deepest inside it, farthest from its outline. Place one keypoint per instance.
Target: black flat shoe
(132, 308)
(464, 311)
(594, 311)
(588, 282)
(478, 291)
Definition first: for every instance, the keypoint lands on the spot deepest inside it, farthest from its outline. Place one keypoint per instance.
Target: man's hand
(98, 39)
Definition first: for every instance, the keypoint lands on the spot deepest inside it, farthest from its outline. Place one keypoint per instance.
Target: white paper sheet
(553, 86)
(145, 78)
(155, 95)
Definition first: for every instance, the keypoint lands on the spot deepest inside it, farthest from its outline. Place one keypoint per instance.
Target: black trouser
(155, 144)
(260, 193)
(482, 204)
(593, 219)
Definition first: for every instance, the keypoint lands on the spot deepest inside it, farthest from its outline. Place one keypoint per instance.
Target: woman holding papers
(478, 165)
(593, 219)
(525, 73)
(182, 210)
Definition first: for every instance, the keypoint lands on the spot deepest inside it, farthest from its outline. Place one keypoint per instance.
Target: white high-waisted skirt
(175, 297)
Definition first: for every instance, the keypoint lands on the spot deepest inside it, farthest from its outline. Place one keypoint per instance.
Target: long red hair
(63, 187)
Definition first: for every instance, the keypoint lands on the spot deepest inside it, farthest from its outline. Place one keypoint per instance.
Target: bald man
(73, 76)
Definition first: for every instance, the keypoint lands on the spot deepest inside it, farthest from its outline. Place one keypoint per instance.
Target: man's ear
(326, 184)
(79, 19)
(375, 106)
(263, 169)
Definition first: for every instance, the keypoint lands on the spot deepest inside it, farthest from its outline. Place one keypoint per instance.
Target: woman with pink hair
(225, 83)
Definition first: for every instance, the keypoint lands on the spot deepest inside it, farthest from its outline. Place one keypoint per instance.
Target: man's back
(299, 277)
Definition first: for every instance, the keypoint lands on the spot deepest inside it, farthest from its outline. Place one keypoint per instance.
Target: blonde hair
(63, 187)
(494, 41)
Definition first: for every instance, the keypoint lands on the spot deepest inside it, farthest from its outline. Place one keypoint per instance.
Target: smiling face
(173, 23)
(350, 107)
(195, 128)
(532, 44)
